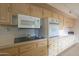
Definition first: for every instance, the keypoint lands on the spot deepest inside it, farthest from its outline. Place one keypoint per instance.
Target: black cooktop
(23, 39)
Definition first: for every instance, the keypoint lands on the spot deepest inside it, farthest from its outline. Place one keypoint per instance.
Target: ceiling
(69, 8)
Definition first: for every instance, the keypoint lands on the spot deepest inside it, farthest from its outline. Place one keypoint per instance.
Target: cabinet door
(68, 22)
(30, 52)
(9, 51)
(36, 11)
(61, 21)
(72, 22)
(5, 15)
(41, 51)
(55, 15)
(26, 47)
(42, 43)
(19, 8)
(47, 14)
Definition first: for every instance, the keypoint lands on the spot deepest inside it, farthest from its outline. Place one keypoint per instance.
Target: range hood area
(24, 21)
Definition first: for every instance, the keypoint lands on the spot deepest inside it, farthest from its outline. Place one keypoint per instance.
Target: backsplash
(11, 32)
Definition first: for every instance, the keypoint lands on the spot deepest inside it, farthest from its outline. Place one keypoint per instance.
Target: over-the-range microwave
(24, 21)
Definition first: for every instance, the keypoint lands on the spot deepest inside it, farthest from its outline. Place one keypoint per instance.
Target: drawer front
(29, 53)
(9, 51)
(42, 43)
(41, 51)
(27, 47)
(45, 51)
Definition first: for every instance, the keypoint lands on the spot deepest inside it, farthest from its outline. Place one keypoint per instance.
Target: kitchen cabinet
(27, 49)
(55, 15)
(9, 51)
(61, 21)
(42, 49)
(38, 48)
(20, 8)
(68, 22)
(47, 13)
(5, 14)
(72, 22)
(36, 11)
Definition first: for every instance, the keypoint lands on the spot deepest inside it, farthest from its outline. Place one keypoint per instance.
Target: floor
(73, 51)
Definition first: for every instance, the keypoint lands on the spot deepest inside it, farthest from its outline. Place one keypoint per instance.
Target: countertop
(20, 43)
(26, 42)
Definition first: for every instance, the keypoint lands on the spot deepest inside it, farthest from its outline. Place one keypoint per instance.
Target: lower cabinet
(38, 48)
(13, 51)
(41, 51)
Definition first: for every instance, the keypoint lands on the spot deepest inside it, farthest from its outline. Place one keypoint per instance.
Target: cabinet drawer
(41, 51)
(27, 47)
(42, 43)
(29, 53)
(9, 51)
(45, 51)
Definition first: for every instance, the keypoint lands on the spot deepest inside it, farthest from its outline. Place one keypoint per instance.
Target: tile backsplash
(9, 33)
(13, 31)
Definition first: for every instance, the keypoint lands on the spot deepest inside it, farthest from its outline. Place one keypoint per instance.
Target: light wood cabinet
(68, 22)
(38, 48)
(55, 15)
(41, 51)
(5, 14)
(47, 14)
(61, 21)
(25, 48)
(72, 22)
(42, 43)
(20, 8)
(36, 11)
(9, 51)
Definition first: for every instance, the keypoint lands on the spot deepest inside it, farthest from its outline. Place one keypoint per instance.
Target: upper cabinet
(61, 21)
(36, 11)
(47, 13)
(72, 22)
(55, 15)
(68, 22)
(5, 14)
(20, 8)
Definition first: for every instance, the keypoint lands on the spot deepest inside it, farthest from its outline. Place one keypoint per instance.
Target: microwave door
(28, 22)
(25, 21)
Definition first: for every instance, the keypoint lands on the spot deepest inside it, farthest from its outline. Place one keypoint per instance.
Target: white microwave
(28, 21)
